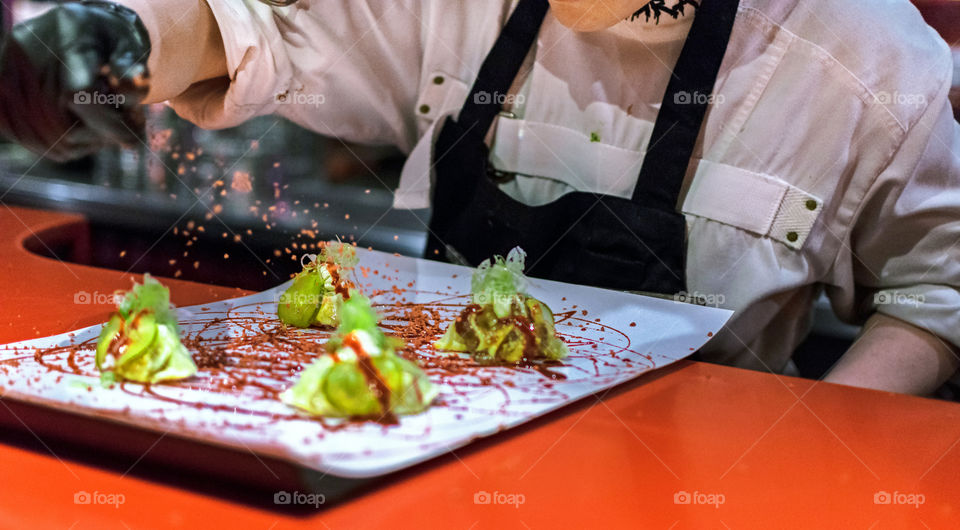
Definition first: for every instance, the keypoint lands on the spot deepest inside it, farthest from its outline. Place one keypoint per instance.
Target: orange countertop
(690, 446)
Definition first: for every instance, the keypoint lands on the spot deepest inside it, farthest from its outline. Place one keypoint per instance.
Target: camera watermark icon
(484, 298)
(300, 299)
(703, 299)
(299, 98)
(698, 98)
(97, 298)
(898, 98)
(487, 98)
(699, 498)
(96, 98)
(898, 298)
(299, 498)
(99, 498)
(899, 498)
(505, 499)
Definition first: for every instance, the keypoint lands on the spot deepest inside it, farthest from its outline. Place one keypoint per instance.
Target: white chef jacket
(829, 158)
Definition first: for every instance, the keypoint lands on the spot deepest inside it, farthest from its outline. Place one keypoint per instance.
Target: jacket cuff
(935, 308)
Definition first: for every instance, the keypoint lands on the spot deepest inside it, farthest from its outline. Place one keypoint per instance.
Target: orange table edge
(690, 446)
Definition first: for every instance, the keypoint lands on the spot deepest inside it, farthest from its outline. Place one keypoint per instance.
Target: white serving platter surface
(613, 337)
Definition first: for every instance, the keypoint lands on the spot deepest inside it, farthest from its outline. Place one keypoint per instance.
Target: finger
(104, 115)
(58, 145)
(90, 97)
(27, 116)
(40, 62)
(57, 134)
(65, 152)
(128, 71)
(131, 82)
(82, 58)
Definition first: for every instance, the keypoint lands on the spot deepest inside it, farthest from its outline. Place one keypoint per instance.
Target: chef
(750, 155)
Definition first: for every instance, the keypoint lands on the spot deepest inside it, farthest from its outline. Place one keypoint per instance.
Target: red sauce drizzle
(251, 357)
(374, 379)
(529, 331)
(339, 286)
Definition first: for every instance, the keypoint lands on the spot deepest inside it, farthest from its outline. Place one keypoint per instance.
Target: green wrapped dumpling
(361, 376)
(317, 290)
(141, 341)
(504, 323)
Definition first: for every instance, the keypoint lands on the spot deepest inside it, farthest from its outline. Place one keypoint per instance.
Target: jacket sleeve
(338, 67)
(905, 244)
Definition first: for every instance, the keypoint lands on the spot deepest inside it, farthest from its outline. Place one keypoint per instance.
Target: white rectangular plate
(612, 336)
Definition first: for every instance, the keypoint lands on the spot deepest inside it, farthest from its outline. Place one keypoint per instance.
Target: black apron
(635, 244)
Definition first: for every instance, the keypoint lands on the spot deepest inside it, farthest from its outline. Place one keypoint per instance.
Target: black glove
(72, 79)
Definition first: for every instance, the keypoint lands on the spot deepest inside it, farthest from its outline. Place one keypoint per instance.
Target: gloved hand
(72, 79)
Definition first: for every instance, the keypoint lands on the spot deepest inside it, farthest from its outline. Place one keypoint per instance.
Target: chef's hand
(72, 79)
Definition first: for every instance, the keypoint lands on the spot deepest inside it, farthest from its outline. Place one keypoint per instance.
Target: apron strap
(684, 106)
(502, 65)
(681, 114)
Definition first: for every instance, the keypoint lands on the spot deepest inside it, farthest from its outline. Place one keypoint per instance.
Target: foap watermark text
(899, 498)
(704, 299)
(506, 499)
(699, 498)
(697, 98)
(97, 298)
(99, 498)
(899, 98)
(898, 298)
(98, 98)
(299, 498)
(486, 98)
(299, 98)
